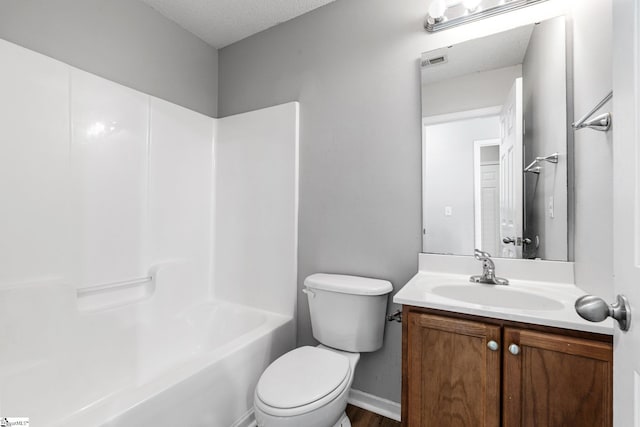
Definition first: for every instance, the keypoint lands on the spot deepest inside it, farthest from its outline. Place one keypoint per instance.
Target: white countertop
(560, 312)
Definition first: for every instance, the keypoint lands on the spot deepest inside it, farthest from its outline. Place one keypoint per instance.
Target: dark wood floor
(362, 418)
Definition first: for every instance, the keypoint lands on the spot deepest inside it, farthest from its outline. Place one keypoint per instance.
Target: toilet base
(344, 421)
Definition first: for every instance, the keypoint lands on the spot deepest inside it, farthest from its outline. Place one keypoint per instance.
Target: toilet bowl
(309, 386)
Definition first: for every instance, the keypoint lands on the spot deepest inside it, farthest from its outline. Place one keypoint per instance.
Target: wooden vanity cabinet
(556, 380)
(453, 377)
(460, 371)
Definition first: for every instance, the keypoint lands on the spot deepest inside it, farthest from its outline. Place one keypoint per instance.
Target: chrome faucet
(488, 275)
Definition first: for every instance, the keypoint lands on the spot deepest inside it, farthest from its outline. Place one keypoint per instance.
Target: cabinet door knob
(493, 346)
(514, 349)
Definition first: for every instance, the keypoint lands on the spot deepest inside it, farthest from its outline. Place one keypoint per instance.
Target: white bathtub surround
(539, 292)
(256, 219)
(35, 160)
(110, 312)
(109, 172)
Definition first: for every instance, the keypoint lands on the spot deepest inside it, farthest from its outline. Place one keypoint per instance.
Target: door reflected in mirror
(495, 151)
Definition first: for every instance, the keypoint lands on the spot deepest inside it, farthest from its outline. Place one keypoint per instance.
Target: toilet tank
(347, 312)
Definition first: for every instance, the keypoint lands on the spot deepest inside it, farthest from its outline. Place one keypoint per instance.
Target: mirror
(495, 152)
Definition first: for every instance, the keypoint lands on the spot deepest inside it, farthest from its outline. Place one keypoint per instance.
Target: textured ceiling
(222, 22)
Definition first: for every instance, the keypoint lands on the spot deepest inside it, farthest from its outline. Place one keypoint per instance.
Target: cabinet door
(453, 376)
(556, 381)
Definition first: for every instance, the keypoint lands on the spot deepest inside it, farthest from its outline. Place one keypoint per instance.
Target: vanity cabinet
(453, 377)
(462, 370)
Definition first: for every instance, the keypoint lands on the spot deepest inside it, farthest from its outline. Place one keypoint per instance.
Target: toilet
(309, 386)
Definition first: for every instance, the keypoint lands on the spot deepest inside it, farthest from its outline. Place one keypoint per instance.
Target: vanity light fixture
(443, 14)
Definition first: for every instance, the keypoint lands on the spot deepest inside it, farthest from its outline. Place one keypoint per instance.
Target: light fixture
(437, 8)
(443, 14)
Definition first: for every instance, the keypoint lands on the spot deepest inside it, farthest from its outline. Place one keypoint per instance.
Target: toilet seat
(301, 381)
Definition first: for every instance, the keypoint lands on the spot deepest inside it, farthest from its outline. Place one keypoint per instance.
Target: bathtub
(134, 365)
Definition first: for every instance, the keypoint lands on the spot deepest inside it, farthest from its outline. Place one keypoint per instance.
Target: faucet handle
(481, 255)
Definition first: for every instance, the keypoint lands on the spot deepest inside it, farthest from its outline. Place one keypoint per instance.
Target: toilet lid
(301, 377)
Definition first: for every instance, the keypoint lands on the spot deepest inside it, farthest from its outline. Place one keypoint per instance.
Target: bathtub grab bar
(85, 290)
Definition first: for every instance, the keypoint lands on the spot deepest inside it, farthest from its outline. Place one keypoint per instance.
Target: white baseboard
(375, 404)
(247, 420)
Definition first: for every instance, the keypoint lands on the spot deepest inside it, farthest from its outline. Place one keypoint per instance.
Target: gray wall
(122, 40)
(353, 65)
(449, 152)
(545, 114)
(592, 80)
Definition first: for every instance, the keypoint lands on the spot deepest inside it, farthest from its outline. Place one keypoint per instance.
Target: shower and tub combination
(148, 252)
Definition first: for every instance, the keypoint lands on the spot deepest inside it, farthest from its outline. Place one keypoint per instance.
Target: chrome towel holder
(601, 122)
(533, 166)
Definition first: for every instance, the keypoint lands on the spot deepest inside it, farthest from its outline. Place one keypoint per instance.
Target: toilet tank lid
(344, 284)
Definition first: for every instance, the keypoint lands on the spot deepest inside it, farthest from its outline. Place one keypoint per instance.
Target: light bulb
(471, 5)
(437, 9)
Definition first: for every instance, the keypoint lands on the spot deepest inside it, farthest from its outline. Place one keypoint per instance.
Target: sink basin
(497, 296)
